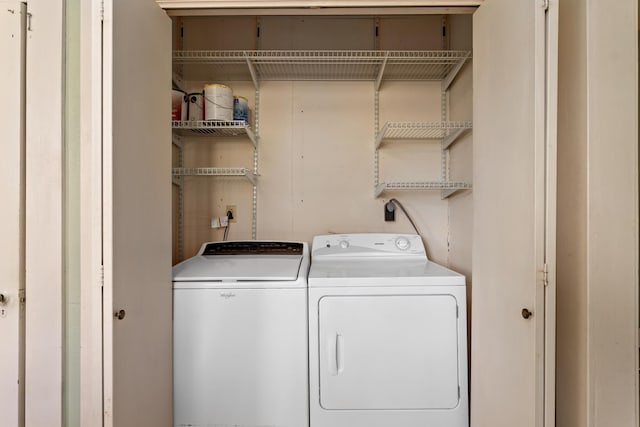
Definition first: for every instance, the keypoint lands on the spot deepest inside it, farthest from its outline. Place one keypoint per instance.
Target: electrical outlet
(233, 216)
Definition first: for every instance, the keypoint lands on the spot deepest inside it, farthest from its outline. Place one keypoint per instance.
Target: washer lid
(255, 261)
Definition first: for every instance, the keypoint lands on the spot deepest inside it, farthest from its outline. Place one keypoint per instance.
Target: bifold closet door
(12, 188)
(513, 213)
(137, 214)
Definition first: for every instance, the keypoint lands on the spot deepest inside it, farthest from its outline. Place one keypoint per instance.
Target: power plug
(232, 213)
(389, 212)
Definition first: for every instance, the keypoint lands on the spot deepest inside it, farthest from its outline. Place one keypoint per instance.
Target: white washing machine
(387, 335)
(240, 350)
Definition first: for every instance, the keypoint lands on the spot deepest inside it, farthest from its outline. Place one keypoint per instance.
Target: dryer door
(388, 352)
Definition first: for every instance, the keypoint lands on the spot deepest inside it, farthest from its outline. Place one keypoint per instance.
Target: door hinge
(545, 4)
(101, 11)
(545, 275)
(101, 276)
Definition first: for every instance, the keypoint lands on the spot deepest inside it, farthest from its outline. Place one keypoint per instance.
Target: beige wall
(597, 376)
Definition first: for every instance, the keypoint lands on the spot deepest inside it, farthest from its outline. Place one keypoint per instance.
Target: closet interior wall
(316, 138)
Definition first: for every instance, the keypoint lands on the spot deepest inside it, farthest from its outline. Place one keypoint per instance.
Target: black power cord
(394, 202)
(404, 211)
(226, 229)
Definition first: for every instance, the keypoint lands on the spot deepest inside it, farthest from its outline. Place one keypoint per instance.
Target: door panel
(551, 184)
(12, 164)
(388, 352)
(137, 214)
(510, 108)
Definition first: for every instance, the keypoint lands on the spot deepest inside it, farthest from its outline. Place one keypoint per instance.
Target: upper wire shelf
(214, 128)
(449, 132)
(370, 65)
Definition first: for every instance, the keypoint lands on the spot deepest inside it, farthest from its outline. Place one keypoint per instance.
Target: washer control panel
(368, 245)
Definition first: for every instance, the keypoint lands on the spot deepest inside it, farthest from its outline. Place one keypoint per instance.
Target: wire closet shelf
(214, 128)
(371, 65)
(221, 172)
(449, 132)
(447, 187)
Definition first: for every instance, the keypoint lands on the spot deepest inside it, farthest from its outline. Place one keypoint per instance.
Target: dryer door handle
(335, 354)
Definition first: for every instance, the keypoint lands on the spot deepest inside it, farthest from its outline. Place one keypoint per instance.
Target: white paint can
(178, 105)
(218, 102)
(196, 106)
(241, 109)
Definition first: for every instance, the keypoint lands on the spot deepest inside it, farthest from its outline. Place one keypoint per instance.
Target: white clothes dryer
(387, 335)
(240, 355)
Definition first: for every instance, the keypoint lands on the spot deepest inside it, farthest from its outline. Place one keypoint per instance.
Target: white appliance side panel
(388, 352)
(240, 357)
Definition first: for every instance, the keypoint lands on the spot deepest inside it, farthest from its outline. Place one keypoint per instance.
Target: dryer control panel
(368, 245)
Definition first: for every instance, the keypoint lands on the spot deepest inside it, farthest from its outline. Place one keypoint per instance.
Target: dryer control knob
(403, 243)
(344, 244)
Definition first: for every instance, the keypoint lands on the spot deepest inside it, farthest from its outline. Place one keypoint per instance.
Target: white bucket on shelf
(196, 106)
(218, 102)
(178, 105)
(241, 109)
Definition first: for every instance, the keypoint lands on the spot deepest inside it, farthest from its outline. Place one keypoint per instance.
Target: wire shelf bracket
(177, 141)
(254, 73)
(177, 82)
(381, 73)
(453, 136)
(453, 73)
